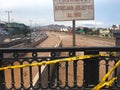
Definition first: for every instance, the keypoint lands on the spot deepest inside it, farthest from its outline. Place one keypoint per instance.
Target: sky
(40, 12)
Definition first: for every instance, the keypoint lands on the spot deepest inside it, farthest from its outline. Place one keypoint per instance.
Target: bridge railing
(78, 74)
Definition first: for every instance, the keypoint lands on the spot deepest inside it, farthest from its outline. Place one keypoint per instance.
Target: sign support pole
(73, 32)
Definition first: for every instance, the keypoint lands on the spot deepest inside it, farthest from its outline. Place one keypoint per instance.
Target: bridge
(61, 68)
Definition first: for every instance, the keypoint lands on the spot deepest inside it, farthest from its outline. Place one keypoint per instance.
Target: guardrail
(82, 74)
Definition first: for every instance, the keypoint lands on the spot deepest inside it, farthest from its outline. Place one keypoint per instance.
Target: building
(105, 32)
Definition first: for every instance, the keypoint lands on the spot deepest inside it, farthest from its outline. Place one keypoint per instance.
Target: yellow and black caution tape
(111, 53)
(97, 87)
(103, 82)
(107, 84)
(50, 62)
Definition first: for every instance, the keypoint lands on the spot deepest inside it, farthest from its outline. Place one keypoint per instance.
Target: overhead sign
(66, 10)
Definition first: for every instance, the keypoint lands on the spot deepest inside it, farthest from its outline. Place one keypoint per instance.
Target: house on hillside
(64, 30)
(115, 27)
(105, 32)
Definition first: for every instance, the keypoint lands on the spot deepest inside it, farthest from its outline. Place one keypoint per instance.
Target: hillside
(53, 27)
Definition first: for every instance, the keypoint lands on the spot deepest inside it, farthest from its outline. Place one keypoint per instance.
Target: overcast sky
(40, 12)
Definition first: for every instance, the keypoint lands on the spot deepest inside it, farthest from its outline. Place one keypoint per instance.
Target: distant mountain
(52, 27)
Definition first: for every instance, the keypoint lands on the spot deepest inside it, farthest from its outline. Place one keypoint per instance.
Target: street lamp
(8, 12)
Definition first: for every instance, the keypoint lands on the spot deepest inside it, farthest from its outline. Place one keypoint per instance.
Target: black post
(117, 37)
(2, 76)
(73, 32)
(91, 70)
(117, 42)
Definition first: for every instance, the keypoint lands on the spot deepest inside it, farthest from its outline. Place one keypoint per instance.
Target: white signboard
(65, 10)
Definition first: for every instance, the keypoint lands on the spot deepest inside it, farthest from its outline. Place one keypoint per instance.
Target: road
(84, 41)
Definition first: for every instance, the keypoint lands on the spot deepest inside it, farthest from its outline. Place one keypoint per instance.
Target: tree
(87, 30)
(114, 26)
(18, 29)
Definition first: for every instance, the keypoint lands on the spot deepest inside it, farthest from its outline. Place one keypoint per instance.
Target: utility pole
(8, 12)
(30, 30)
(30, 23)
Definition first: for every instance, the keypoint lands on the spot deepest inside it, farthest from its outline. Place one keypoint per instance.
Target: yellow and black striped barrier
(102, 83)
(49, 62)
(52, 61)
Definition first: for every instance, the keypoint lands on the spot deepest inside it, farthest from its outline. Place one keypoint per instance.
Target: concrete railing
(33, 44)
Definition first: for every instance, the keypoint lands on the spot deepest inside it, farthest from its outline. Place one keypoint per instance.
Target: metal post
(30, 30)
(117, 42)
(91, 70)
(73, 33)
(8, 12)
(2, 76)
